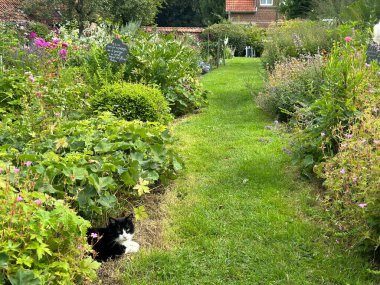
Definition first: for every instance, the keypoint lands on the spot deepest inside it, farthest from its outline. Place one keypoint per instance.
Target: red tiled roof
(10, 10)
(240, 5)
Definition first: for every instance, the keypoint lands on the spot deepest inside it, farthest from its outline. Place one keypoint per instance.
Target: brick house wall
(263, 16)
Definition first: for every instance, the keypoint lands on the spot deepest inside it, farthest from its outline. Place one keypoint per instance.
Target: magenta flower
(33, 35)
(94, 235)
(362, 205)
(19, 199)
(65, 45)
(348, 39)
(16, 170)
(38, 202)
(62, 52)
(41, 43)
(55, 41)
(342, 171)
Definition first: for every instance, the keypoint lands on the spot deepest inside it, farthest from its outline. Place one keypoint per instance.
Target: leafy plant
(132, 102)
(42, 240)
(95, 160)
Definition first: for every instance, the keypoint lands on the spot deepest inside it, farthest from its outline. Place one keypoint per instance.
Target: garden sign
(373, 53)
(117, 51)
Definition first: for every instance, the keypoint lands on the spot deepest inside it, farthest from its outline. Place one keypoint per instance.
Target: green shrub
(293, 84)
(186, 96)
(239, 36)
(132, 102)
(40, 29)
(95, 160)
(352, 179)
(42, 240)
(348, 86)
(160, 59)
(295, 38)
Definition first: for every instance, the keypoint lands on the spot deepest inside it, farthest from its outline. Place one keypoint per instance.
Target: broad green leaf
(140, 213)
(127, 179)
(24, 277)
(142, 187)
(107, 201)
(3, 260)
(103, 146)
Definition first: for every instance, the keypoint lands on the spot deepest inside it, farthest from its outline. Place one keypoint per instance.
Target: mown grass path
(239, 212)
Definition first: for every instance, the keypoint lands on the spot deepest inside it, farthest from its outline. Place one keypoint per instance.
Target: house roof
(10, 11)
(240, 5)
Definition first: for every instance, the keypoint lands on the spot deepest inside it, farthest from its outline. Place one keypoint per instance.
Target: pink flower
(80, 247)
(39, 94)
(355, 179)
(342, 171)
(376, 141)
(62, 52)
(348, 39)
(65, 45)
(363, 141)
(362, 205)
(31, 78)
(94, 235)
(323, 134)
(348, 136)
(19, 199)
(57, 114)
(33, 35)
(28, 163)
(1, 170)
(16, 170)
(38, 202)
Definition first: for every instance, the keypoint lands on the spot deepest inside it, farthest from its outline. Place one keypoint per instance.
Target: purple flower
(38, 202)
(28, 163)
(41, 43)
(55, 41)
(362, 141)
(16, 170)
(323, 134)
(94, 235)
(62, 52)
(342, 171)
(362, 205)
(348, 39)
(19, 199)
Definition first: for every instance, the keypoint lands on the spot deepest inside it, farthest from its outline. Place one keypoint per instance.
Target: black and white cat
(114, 240)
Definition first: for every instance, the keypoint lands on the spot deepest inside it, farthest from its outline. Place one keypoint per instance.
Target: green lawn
(239, 216)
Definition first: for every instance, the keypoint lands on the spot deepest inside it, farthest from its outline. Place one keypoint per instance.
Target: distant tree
(124, 11)
(329, 9)
(362, 10)
(192, 13)
(296, 8)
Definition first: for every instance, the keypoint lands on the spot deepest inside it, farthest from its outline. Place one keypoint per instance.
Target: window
(266, 2)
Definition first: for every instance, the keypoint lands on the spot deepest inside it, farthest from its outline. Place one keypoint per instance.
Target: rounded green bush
(132, 102)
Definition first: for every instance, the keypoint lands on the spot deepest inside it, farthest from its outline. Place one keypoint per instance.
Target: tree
(192, 13)
(124, 11)
(296, 8)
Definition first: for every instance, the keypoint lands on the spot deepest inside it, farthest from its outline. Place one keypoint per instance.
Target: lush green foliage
(239, 36)
(95, 159)
(186, 96)
(42, 240)
(132, 102)
(352, 179)
(296, 8)
(293, 84)
(296, 38)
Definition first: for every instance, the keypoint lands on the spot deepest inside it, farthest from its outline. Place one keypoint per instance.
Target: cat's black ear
(112, 221)
(130, 217)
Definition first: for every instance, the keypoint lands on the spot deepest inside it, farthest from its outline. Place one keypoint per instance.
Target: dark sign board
(373, 53)
(117, 51)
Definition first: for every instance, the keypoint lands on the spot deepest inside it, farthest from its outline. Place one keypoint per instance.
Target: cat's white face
(124, 236)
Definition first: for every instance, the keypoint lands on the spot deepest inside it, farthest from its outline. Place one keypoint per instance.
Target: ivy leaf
(24, 277)
(142, 187)
(140, 213)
